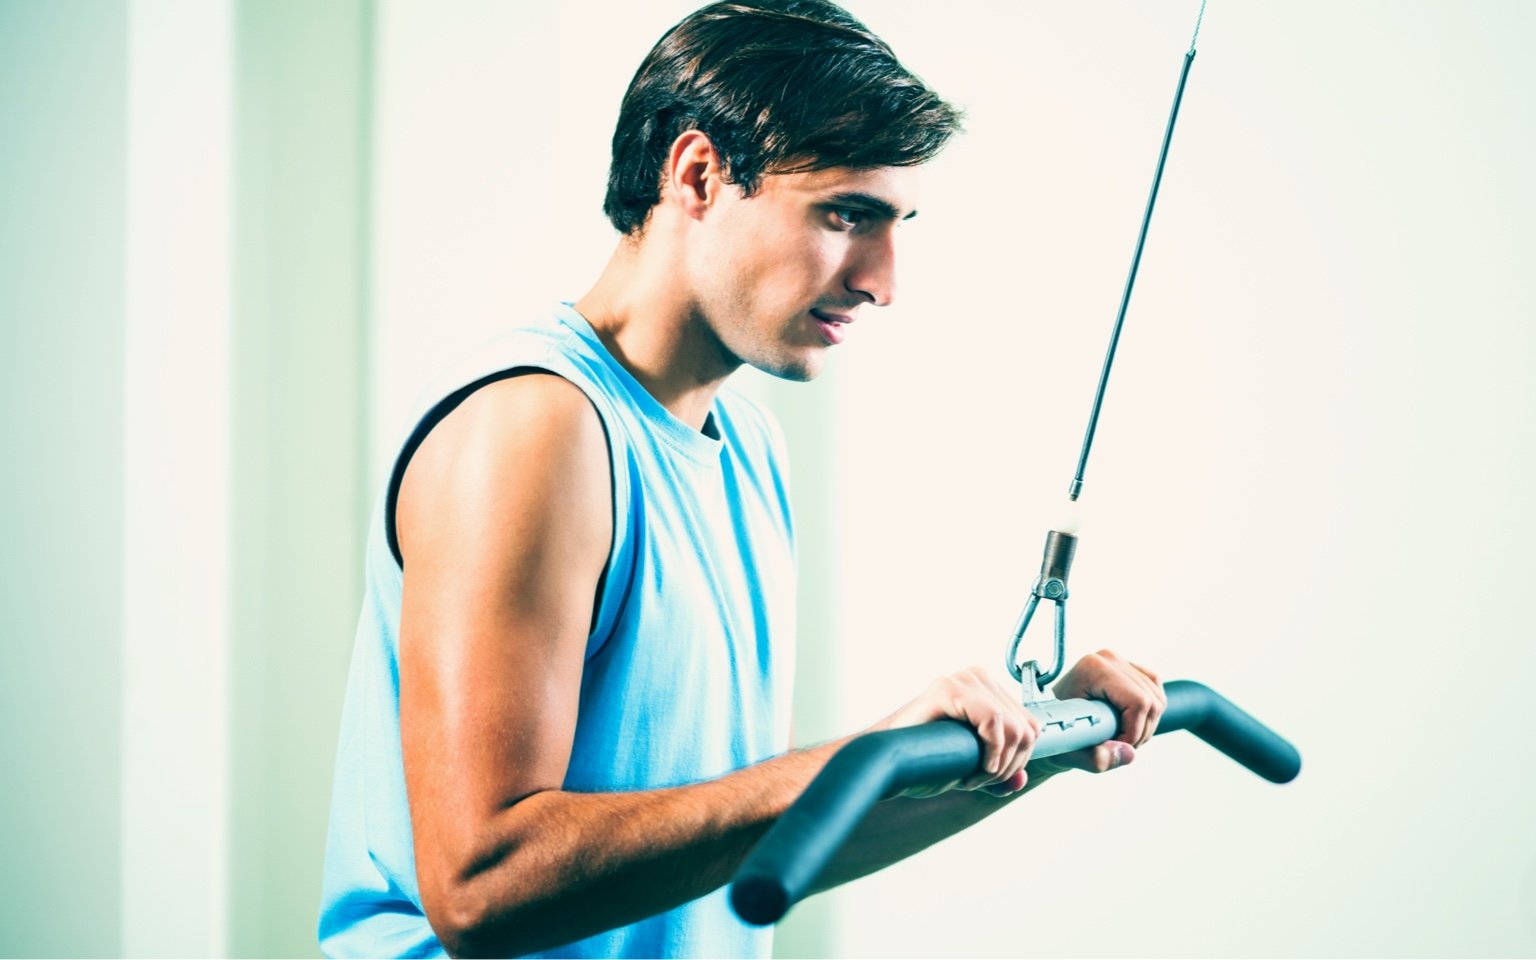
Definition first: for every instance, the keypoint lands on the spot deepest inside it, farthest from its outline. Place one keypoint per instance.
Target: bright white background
(1308, 486)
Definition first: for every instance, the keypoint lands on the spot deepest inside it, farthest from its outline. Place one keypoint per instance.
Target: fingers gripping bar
(785, 864)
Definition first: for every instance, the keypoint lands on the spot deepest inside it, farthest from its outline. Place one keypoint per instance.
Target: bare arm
(504, 522)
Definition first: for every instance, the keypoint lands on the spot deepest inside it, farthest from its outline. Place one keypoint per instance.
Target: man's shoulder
(527, 399)
(524, 446)
(542, 368)
(529, 385)
(532, 342)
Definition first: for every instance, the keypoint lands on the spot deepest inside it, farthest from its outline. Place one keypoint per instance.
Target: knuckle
(1018, 737)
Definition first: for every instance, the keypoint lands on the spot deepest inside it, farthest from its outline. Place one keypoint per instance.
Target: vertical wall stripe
(367, 108)
(61, 497)
(298, 417)
(176, 410)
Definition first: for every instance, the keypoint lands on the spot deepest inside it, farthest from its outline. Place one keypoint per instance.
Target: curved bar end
(759, 900)
(1219, 722)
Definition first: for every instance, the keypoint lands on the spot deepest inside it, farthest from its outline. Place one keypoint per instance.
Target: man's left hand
(1137, 696)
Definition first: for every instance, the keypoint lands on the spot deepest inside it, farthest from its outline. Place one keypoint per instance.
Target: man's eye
(848, 216)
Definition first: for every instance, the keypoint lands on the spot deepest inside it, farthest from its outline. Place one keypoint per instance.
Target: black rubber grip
(789, 858)
(785, 864)
(1227, 727)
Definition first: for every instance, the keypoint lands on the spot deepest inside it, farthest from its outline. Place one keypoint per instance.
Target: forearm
(557, 866)
(901, 826)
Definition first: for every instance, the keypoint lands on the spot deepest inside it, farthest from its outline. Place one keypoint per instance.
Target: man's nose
(873, 273)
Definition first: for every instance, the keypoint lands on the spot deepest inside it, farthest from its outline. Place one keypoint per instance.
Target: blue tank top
(688, 667)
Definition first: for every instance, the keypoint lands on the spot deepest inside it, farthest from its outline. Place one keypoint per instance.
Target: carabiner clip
(1051, 584)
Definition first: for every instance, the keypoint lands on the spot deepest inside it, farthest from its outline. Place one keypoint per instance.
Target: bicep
(504, 521)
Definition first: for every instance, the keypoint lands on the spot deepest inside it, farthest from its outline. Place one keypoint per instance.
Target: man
(567, 718)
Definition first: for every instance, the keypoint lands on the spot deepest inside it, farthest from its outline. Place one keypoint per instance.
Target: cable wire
(1130, 283)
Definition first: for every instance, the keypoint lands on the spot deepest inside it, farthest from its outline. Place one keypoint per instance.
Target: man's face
(780, 277)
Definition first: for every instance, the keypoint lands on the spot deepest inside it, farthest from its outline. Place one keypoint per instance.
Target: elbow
(490, 901)
(466, 928)
(459, 919)
(468, 924)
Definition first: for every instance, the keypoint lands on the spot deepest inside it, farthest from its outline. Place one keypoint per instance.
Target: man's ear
(693, 174)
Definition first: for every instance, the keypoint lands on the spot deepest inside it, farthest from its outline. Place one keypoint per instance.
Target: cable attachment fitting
(1051, 584)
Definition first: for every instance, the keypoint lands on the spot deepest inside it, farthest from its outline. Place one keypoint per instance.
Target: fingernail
(1123, 754)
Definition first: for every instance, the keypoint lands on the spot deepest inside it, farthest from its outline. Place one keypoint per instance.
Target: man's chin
(798, 369)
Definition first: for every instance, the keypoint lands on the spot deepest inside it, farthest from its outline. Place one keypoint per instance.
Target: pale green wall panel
(61, 381)
(300, 174)
(812, 437)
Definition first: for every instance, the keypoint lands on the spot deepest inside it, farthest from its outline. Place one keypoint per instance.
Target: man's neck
(648, 321)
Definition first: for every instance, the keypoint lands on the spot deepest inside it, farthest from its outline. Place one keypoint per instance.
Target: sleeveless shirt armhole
(613, 582)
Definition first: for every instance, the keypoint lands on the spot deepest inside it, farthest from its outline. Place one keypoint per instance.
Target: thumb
(1099, 759)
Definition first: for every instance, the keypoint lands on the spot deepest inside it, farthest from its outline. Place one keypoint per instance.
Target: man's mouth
(832, 325)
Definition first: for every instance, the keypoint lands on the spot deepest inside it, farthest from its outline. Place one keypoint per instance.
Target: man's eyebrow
(876, 205)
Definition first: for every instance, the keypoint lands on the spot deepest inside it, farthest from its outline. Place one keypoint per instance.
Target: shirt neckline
(693, 443)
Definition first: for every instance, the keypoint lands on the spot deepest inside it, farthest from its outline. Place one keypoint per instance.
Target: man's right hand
(979, 700)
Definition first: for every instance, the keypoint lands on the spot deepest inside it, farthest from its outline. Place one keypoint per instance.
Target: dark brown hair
(778, 86)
